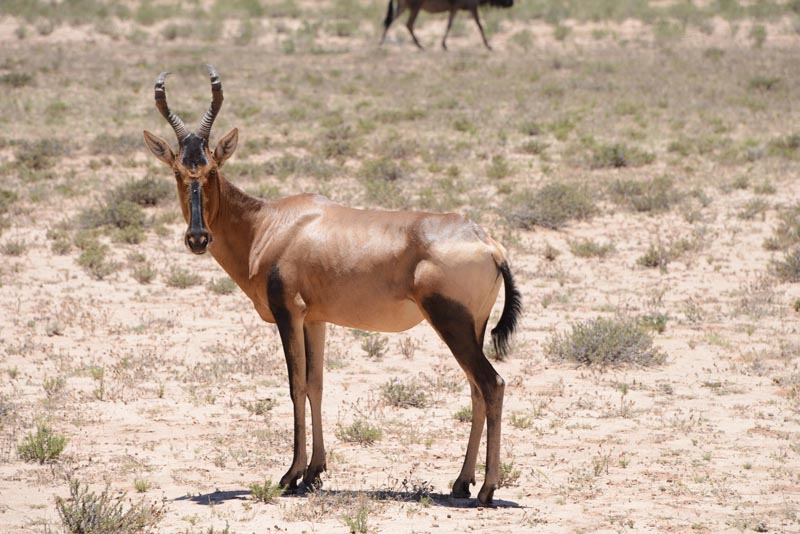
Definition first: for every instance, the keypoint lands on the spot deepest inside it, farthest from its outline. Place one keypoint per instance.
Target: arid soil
(177, 397)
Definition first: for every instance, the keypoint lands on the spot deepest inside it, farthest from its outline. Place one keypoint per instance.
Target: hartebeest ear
(226, 146)
(159, 148)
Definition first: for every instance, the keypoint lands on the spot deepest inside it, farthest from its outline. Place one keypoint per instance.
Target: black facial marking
(194, 151)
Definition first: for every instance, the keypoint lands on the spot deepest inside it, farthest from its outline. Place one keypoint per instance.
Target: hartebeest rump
(305, 261)
(438, 6)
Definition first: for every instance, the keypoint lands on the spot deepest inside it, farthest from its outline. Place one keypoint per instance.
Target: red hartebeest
(305, 261)
(438, 6)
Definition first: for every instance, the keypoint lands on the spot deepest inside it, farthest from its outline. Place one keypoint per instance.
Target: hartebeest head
(196, 168)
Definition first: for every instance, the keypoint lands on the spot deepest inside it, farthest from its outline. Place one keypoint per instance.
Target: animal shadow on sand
(436, 499)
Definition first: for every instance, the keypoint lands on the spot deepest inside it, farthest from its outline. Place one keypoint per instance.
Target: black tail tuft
(389, 15)
(501, 3)
(511, 312)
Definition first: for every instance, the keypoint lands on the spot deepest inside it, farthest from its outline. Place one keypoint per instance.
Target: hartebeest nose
(198, 241)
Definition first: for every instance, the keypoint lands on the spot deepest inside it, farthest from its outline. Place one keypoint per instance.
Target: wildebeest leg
(315, 347)
(447, 31)
(401, 6)
(456, 326)
(290, 327)
(474, 11)
(414, 11)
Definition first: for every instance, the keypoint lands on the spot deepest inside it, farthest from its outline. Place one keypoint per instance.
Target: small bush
(222, 286)
(338, 141)
(17, 79)
(14, 248)
(655, 321)
(787, 233)
(375, 345)
(42, 154)
(656, 256)
(116, 213)
(89, 513)
(182, 278)
(788, 269)
(43, 446)
(266, 492)
(654, 195)
(144, 272)
(94, 259)
(588, 248)
(402, 395)
(619, 155)
(384, 169)
(116, 145)
(498, 168)
(147, 191)
(605, 342)
(360, 432)
(550, 207)
(464, 415)
(6, 199)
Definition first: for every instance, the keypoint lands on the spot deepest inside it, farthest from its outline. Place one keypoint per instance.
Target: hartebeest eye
(212, 173)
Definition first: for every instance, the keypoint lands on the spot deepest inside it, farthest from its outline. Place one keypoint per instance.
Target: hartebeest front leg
(315, 348)
(289, 320)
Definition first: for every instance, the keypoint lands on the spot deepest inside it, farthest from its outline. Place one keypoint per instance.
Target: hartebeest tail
(305, 261)
(512, 309)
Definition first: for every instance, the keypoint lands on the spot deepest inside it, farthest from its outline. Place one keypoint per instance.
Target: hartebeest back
(305, 261)
(396, 8)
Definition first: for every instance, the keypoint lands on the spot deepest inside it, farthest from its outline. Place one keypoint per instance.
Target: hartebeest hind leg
(315, 347)
(457, 327)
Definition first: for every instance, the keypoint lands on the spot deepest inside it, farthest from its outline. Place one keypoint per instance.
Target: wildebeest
(438, 6)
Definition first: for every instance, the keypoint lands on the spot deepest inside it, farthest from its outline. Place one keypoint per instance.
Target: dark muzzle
(197, 236)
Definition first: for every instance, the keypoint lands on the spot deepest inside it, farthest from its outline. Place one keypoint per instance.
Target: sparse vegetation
(181, 278)
(42, 446)
(404, 394)
(550, 207)
(267, 492)
(605, 342)
(86, 512)
(360, 431)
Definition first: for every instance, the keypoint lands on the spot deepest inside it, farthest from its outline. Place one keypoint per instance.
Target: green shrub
(89, 513)
(657, 255)
(588, 248)
(222, 286)
(41, 154)
(550, 207)
(788, 268)
(147, 191)
(182, 278)
(43, 446)
(375, 345)
(463, 415)
(116, 145)
(338, 141)
(619, 155)
(383, 169)
(93, 259)
(787, 233)
(266, 492)
(605, 342)
(498, 168)
(115, 212)
(654, 195)
(361, 432)
(144, 272)
(17, 79)
(402, 395)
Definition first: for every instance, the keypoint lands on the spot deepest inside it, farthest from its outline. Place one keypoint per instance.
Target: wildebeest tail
(389, 15)
(511, 312)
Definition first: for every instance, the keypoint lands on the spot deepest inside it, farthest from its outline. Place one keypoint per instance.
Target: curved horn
(161, 104)
(216, 103)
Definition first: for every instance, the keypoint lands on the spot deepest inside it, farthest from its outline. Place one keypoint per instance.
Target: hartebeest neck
(233, 230)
